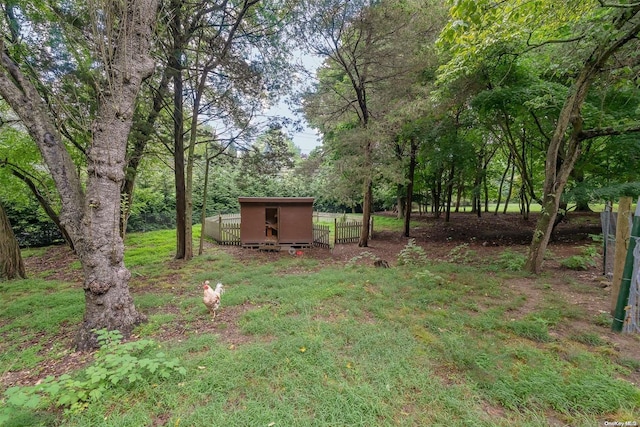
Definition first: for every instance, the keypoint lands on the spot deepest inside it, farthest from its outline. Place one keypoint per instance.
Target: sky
(307, 139)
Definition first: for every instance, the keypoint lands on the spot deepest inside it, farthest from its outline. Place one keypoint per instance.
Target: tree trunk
(367, 201)
(366, 213)
(510, 191)
(570, 118)
(203, 212)
(11, 264)
(449, 194)
(556, 177)
(92, 218)
(504, 177)
(178, 137)
(437, 195)
(485, 186)
(459, 193)
(412, 172)
(108, 302)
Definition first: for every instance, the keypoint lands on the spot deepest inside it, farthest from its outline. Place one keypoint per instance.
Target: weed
(366, 255)
(412, 254)
(429, 278)
(585, 260)
(116, 364)
(511, 260)
(461, 254)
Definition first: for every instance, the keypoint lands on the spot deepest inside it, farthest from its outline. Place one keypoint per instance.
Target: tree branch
(618, 5)
(610, 131)
(552, 41)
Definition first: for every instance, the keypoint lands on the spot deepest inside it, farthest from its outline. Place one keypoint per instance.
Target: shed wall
(293, 226)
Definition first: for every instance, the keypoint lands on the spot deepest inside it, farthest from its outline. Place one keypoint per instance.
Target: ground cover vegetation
(147, 114)
(448, 335)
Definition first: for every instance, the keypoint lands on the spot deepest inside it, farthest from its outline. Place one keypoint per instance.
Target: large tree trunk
(108, 303)
(92, 218)
(11, 264)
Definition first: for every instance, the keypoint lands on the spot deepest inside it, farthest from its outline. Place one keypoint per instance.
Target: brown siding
(252, 223)
(294, 222)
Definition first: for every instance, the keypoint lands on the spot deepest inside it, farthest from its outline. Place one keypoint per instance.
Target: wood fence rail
(225, 229)
(321, 236)
(349, 231)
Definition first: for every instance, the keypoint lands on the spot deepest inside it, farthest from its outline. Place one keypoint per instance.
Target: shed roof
(280, 200)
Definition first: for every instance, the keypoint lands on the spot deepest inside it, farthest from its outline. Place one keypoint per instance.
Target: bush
(116, 364)
(412, 254)
(512, 261)
(585, 260)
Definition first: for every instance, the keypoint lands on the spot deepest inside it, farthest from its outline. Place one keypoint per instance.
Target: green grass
(307, 345)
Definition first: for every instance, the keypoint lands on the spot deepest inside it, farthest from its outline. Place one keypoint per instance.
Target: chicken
(212, 297)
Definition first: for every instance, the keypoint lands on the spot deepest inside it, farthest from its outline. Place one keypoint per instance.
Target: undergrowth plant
(586, 259)
(412, 254)
(116, 364)
(366, 255)
(461, 254)
(511, 260)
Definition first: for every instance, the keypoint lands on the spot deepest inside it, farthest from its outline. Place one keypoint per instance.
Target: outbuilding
(276, 222)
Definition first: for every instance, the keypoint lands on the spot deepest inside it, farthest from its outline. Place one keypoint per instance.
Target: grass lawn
(299, 342)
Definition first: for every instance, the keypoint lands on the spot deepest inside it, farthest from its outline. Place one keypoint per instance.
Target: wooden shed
(276, 221)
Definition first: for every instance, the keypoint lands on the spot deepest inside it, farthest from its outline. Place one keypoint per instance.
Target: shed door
(271, 223)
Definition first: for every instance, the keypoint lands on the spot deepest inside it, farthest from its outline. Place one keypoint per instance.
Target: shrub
(586, 259)
(512, 261)
(461, 254)
(116, 364)
(412, 254)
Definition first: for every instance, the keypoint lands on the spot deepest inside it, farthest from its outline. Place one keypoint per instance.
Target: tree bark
(92, 218)
(11, 264)
(108, 302)
(175, 64)
(367, 201)
(412, 172)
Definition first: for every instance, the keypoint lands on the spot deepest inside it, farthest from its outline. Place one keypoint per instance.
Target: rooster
(212, 297)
